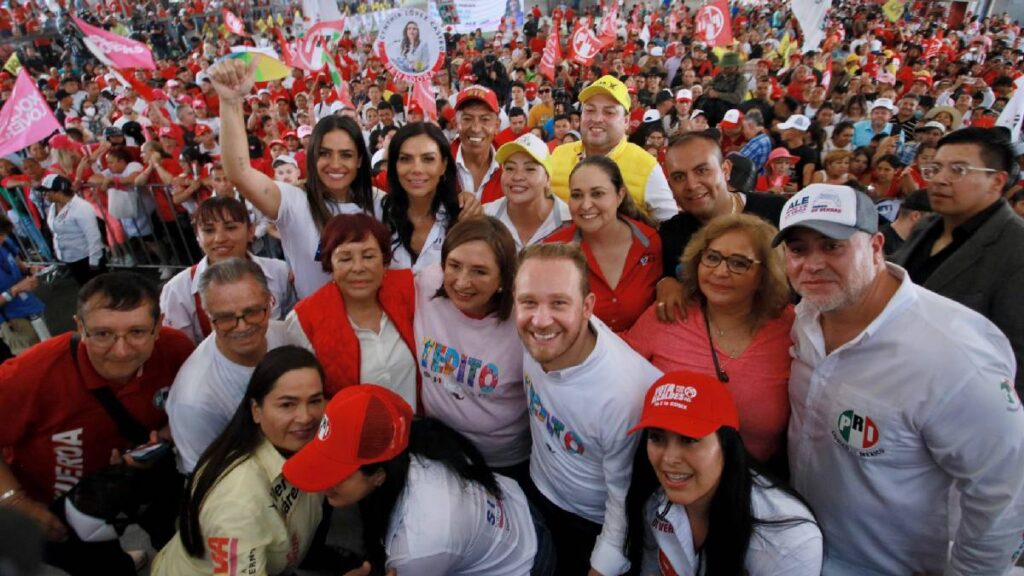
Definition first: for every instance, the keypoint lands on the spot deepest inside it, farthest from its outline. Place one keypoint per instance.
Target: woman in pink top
(736, 325)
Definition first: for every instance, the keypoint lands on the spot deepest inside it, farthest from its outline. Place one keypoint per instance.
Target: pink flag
(234, 24)
(25, 119)
(113, 50)
(609, 28)
(424, 96)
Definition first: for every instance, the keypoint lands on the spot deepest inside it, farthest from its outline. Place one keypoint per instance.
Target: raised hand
(232, 78)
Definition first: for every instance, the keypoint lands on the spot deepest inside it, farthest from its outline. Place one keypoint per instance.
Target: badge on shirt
(1012, 401)
(858, 433)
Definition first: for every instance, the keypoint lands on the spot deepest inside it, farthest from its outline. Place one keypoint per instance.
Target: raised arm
(233, 79)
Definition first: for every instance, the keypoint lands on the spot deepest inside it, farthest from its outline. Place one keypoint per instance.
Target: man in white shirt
(585, 388)
(212, 382)
(477, 111)
(898, 395)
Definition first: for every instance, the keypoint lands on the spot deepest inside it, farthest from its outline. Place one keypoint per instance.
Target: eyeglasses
(251, 316)
(136, 337)
(957, 170)
(544, 90)
(736, 263)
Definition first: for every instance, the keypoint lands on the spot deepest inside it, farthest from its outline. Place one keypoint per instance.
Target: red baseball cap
(477, 93)
(531, 90)
(277, 142)
(290, 134)
(166, 131)
(202, 129)
(63, 142)
(362, 425)
(690, 404)
(199, 103)
(159, 94)
(415, 108)
(731, 119)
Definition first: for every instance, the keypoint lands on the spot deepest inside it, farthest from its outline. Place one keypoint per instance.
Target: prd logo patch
(857, 431)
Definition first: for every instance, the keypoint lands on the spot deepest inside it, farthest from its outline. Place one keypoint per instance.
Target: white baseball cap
(285, 159)
(529, 144)
(303, 131)
(829, 209)
(883, 103)
(652, 115)
(684, 95)
(796, 122)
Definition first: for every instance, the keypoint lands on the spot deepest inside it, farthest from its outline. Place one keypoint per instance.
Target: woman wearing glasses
(224, 231)
(736, 325)
(360, 325)
(622, 247)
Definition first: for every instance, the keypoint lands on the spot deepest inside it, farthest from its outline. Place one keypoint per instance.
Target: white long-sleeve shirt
(884, 426)
(472, 373)
(76, 235)
(781, 549)
(443, 525)
(582, 456)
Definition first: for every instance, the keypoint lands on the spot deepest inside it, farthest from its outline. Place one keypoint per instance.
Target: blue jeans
(544, 562)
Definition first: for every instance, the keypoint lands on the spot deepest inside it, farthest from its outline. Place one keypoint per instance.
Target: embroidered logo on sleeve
(858, 433)
(1012, 401)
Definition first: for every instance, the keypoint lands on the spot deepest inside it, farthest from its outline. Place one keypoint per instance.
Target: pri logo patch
(858, 433)
(325, 429)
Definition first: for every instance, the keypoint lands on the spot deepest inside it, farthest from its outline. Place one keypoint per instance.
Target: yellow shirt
(539, 114)
(253, 522)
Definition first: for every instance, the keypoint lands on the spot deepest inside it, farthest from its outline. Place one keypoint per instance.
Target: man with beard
(898, 395)
(585, 389)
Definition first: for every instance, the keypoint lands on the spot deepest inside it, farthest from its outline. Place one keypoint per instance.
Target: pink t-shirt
(758, 379)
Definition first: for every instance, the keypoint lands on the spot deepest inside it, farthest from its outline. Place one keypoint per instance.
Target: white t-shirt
(205, 395)
(430, 253)
(472, 373)
(582, 457)
(300, 239)
(785, 549)
(178, 297)
(384, 358)
(444, 525)
(559, 215)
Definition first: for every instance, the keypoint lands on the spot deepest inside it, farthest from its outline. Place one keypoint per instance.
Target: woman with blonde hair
(837, 168)
(736, 324)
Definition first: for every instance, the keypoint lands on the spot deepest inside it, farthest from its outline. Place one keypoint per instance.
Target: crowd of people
(682, 310)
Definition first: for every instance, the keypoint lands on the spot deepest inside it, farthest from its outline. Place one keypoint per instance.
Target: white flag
(811, 16)
(645, 35)
(1013, 113)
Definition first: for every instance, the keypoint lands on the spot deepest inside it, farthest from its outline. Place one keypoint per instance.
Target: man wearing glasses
(545, 110)
(213, 380)
(898, 396)
(56, 428)
(973, 250)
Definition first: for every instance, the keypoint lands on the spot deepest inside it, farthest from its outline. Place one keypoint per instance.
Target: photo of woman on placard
(413, 56)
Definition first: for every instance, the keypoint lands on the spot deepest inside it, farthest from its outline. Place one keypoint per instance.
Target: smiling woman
(240, 511)
(360, 325)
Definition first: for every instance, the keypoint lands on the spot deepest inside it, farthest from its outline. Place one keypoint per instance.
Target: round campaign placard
(411, 45)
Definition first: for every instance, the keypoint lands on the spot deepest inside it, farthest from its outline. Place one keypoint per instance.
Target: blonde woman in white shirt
(470, 356)
(529, 210)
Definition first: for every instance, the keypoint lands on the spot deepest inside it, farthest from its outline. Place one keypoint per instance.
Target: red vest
(323, 318)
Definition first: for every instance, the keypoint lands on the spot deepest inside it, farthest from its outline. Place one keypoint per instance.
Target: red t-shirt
(504, 137)
(56, 430)
(619, 307)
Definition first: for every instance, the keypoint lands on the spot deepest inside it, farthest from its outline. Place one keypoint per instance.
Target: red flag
(552, 55)
(583, 46)
(713, 24)
(234, 24)
(286, 51)
(423, 95)
(140, 87)
(609, 28)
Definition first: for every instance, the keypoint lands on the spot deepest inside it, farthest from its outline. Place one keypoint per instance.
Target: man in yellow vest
(603, 123)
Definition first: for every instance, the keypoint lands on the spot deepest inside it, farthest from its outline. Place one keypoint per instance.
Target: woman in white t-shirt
(693, 467)
(423, 199)
(470, 355)
(429, 503)
(529, 210)
(338, 177)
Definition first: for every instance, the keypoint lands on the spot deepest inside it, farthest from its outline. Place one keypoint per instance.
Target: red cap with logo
(531, 90)
(689, 404)
(477, 93)
(731, 119)
(362, 425)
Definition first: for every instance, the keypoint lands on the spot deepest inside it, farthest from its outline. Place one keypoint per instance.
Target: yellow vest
(635, 163)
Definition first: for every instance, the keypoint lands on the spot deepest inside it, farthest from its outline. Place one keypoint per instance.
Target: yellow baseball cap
(528, 143)
(609, 85)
